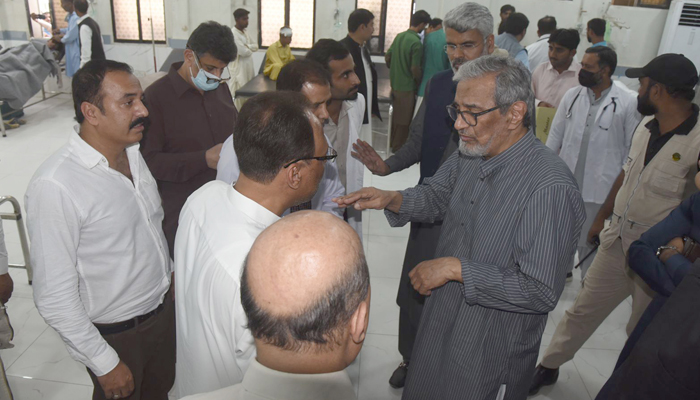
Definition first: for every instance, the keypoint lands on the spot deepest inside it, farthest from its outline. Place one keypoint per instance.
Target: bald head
(304, 278)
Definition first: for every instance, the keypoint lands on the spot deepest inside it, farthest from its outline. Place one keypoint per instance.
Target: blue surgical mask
(204, 80)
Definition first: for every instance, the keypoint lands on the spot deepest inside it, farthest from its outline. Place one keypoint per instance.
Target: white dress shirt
(610, 136)
(217, 228)
(262, 383)
(329, 188)
(538, 52)
(98, 249)
(3, 253)
(550, 86)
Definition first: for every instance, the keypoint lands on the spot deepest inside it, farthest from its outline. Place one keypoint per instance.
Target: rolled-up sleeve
(545, 240)
(54, 223)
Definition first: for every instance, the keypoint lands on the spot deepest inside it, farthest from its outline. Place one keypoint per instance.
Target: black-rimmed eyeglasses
(331, 154)
(468, 117)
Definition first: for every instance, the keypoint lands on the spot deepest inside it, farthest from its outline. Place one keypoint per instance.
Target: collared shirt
(227, 170)
(658, 140)
(538, 52)
(406, 52)
(98, 249)
(262, 383)
(590, 121)
(3, 253)
(339, 136)
(184, 125)
(603, 43)
(434, 57)
(515, 231)
(276, 57)
(550, 86)
(71, 39)
(218, 226)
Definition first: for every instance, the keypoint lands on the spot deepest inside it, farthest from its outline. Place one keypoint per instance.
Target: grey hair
(512, 82)
(470, 16)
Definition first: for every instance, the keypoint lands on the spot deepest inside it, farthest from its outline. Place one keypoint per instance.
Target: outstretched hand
(371, 199)
(369, 157)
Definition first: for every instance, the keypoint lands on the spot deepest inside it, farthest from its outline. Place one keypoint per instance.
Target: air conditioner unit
(682, 31)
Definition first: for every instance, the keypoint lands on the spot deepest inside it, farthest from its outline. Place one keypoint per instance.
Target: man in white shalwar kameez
(242, 69)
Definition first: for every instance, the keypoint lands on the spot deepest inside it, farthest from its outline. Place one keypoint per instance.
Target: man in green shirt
(404, 60)
(434, 55)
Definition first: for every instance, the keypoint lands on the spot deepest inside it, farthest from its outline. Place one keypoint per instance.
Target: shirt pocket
(667, 180)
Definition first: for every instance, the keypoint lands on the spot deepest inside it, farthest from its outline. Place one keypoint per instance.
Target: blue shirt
(523, 58)
(71, 39)
(603, 43)
(663, 278)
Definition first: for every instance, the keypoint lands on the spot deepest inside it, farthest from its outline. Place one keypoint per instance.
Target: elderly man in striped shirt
(512, 215)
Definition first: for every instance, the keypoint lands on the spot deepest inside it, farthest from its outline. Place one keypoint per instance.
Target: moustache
(145, 121)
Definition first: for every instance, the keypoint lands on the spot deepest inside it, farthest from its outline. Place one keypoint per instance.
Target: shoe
(18, 121)
(569, 277)
(543, 377)
(398, 378)
(10, 125)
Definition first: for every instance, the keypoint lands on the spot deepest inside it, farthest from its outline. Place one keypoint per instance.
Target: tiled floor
(39, 367)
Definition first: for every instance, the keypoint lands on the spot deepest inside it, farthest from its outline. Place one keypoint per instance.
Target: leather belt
(118, 327)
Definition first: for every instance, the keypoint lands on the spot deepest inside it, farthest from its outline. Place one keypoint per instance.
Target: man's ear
(517, 113)
(90, 112)
(490, 46)
(359, 322)
(294, 176)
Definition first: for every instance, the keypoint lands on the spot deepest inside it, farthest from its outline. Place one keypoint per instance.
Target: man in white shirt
(307, 302)
(242, 69)
(537, 52)
(346, 110)
(311, 80)
(592, 132)
(281, 154)
(101, 265)
(91, 47)
(553, 79)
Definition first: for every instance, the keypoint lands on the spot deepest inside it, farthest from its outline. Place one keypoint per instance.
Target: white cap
(286, 32)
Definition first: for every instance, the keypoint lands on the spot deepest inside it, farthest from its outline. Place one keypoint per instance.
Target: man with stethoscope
(592, 132)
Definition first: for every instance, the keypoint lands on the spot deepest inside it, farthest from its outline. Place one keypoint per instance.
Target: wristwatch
(662, 248)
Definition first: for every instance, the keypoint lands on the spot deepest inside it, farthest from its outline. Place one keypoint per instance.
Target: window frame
(287, 5)
(637, 3)
(382, 25)
(141, 40)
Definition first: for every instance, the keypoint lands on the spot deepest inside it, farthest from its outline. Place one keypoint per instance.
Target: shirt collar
(513, 153)
(258, 379)
(252, 209)
(83, 18)
(89, 155)
(603, 94)
(573, 67)
(179, 84)
(683, 129)
(543, 37)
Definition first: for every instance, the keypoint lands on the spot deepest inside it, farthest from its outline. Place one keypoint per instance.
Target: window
(296, 14)
(391, 17)
(138, 20)
(643, 3)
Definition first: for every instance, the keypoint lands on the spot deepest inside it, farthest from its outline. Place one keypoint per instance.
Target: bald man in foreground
(306, 297)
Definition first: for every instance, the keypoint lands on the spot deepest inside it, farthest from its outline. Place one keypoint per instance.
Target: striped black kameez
(514, 222)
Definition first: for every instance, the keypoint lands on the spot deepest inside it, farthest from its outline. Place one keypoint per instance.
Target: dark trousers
(149, 351)
(401, 117)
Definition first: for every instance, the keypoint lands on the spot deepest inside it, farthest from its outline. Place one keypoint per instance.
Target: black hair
(516, 24)
(359, 17)
(295, 74)
(606, 57)
(420, 17)
(507, 8)
(547, 24)
(319, 324)
(568, 38)
(327, 50)
(272, 129)
(81, 6)
(435, 22)
(87, 83)
(214, 39)
(240, 13)
(597, 25)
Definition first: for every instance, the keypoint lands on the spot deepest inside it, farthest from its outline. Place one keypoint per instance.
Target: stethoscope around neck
(612, 103)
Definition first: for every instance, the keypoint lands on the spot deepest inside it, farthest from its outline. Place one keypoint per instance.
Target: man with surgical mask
(658, 174)
(592, 132)
(192, 114)
(432, 139)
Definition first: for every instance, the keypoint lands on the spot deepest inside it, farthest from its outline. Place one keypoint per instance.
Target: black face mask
(644, 106)
(587, 78)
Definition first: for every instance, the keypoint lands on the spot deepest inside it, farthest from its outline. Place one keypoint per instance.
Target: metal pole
(16, 216)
